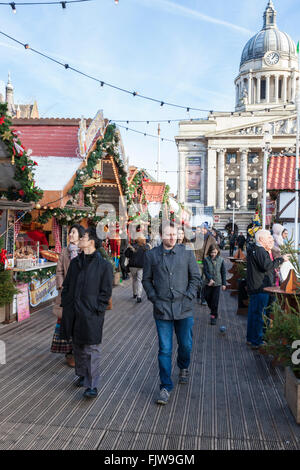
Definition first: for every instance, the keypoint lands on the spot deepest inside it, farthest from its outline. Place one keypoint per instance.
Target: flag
(298, 47)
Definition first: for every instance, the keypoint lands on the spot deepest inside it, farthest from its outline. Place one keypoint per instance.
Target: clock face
(272, 58)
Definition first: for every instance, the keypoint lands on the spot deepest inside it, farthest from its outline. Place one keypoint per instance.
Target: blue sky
(182, 51)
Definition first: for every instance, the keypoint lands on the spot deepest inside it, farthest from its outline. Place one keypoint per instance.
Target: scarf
(73, 250)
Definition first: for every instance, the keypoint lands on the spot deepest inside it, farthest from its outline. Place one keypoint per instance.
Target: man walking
(171, 277)
(232, 241)
(86, 291)
(260, 274)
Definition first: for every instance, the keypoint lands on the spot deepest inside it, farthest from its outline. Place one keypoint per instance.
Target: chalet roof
(281, 173)
(54, 173)
(154, 192)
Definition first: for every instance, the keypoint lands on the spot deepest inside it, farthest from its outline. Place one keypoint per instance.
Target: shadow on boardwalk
(234, 399)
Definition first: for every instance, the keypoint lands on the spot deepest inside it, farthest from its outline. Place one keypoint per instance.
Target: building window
(231, 158)
(231, 183)
(263, 89)
(252, 158)
(252, 203)
(253, 183)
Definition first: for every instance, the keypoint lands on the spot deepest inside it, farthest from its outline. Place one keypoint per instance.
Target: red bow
(2, 119)
(3, 256)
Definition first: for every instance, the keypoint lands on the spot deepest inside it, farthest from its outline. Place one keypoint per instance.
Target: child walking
(214, 278)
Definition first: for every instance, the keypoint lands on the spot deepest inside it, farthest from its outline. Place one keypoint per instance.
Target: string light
(101, 82)
(62, 3)
(145, 134)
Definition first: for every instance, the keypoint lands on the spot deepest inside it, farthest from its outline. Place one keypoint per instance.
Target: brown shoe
(70, 360)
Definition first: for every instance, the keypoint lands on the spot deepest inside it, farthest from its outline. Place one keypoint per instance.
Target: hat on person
(205, 225)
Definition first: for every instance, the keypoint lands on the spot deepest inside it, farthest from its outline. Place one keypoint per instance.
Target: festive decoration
(7, 286)
(256, 224)
(23, 165)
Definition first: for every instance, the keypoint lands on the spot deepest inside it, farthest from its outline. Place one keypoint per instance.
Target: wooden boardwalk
(234, 399)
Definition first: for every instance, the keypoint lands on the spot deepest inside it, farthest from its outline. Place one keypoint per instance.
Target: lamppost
(267, 139)
(235, 205)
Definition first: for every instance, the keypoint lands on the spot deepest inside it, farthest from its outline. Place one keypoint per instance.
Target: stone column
(268, 88)
(250, 88)
(284, 88)
(276, 88)
(181, 175)
(243, 178)
(293, 87)
(258, 86)
(211, 176)
(221, 180)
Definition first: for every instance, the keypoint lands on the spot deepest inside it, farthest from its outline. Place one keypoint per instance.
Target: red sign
(216, 219)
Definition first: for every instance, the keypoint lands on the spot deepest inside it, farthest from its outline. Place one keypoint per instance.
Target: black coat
(260, 269)
(136, 255)
(241, 240)
(86, 291)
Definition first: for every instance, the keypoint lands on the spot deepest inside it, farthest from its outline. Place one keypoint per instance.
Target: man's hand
(223, 287)
(211, 283)
(286, 257)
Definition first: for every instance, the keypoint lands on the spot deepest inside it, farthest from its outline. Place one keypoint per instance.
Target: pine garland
(7, 286)
(35, 275)
(24, 173)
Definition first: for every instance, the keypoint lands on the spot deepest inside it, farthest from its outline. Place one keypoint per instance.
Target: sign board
(42, 291)
(23, 310)
(216, 219)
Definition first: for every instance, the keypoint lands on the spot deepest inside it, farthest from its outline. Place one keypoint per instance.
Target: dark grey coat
(86, 291)
(172, 293)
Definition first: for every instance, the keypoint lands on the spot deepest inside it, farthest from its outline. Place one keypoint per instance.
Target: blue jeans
(184, 333)
(256, 310)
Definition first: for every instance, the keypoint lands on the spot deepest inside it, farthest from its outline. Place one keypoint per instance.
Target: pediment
(279, 126)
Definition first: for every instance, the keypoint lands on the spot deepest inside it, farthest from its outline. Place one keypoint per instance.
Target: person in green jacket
(214, 279)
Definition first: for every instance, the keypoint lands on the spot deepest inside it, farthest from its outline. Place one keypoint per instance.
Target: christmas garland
(23, 164)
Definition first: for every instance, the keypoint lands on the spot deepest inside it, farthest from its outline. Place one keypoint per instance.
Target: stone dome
(268, 39)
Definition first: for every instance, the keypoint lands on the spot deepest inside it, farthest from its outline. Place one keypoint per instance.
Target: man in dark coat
(86, 291)
(232, 241)
(260, 274)
(241, 240)
(170, 279)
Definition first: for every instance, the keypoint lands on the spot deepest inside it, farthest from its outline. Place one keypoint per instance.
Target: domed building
(226, 149)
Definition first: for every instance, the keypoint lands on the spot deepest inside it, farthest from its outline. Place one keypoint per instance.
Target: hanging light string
(163, 139)
(63, 4)
(102, 82)
(115, 87)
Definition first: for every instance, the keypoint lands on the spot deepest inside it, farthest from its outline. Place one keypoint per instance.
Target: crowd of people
(174, 270)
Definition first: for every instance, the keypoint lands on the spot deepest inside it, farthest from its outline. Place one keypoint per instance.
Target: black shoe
(138, 300)
(134, 296)
(79, 382)
(90, 393)
(213, 320)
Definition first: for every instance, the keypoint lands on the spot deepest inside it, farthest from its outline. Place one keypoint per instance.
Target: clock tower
(268, 69)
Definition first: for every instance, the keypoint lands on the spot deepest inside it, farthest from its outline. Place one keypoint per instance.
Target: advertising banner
(194, 184)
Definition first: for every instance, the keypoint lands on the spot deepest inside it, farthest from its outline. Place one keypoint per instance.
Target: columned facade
(243, 178)
(232, 142)
(221, 180)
